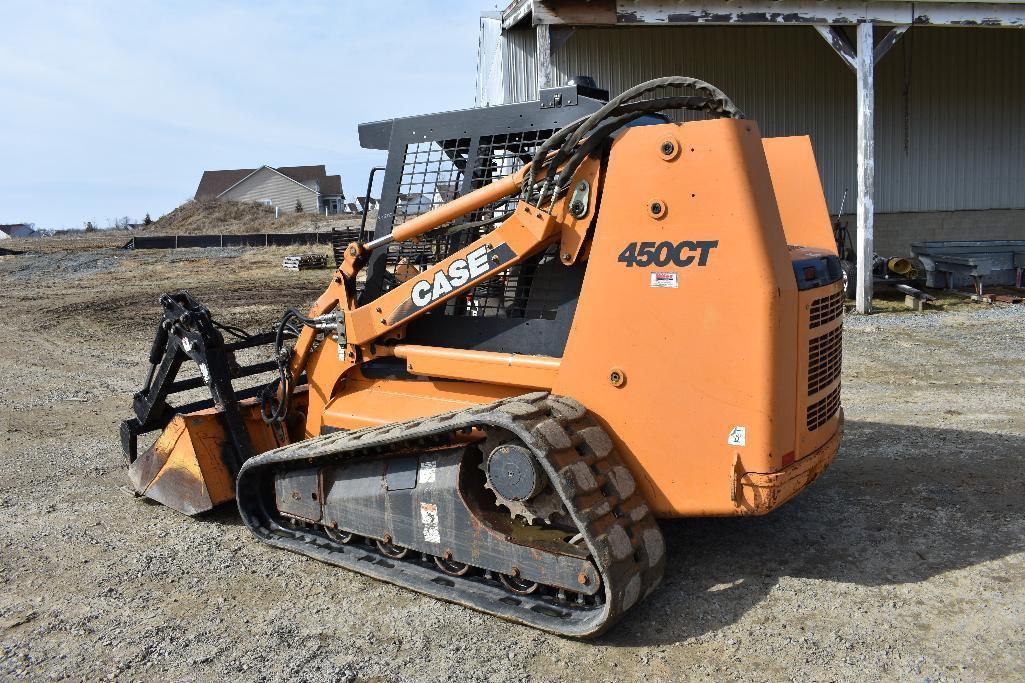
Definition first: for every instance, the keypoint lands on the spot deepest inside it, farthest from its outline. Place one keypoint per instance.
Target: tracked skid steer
(572, 318)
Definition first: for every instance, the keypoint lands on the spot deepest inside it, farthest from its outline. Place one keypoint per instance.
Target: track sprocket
(546, 506)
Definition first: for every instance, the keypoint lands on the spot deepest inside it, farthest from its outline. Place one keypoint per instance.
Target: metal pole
(866, 165)
(366, 201)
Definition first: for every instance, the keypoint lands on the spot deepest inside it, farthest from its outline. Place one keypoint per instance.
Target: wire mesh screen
(500, 155)
(435, 172)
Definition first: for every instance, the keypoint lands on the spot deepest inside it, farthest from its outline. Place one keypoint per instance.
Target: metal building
(929, 96)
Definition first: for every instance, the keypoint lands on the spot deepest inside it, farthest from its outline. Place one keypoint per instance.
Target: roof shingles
(213, 183)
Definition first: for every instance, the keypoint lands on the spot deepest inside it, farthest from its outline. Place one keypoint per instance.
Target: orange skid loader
(573, 317)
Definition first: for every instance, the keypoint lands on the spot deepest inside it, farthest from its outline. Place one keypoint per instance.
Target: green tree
(147, 220)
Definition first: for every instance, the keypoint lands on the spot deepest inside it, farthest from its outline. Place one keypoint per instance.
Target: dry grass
(76, 241)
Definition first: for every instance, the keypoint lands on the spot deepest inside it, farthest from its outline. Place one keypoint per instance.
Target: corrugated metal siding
(965, 123)
(283, 193)
(519, 69)
(965, 104)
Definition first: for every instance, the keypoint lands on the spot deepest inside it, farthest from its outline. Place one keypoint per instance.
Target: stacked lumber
(304, 262)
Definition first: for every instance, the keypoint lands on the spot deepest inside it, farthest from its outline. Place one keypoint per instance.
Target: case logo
(458, 273)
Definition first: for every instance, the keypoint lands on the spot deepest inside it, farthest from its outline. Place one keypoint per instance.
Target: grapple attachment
(193, 464)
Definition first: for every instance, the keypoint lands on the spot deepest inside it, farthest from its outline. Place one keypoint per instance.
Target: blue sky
(110, 109)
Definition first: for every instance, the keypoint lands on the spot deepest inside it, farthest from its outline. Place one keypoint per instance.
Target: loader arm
(523, 234)
(527, 231)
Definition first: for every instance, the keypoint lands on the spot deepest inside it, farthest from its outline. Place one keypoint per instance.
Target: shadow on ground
(899, 505)
(226, 515)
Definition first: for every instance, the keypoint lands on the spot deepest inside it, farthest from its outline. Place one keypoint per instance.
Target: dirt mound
(217, 216)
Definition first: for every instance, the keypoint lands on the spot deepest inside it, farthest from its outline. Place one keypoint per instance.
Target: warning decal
(737, 437)
(428, 471)
(664, 279)
(429, 521)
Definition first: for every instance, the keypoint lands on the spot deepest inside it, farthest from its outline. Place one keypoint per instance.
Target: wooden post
(866, 165)
(544, 57)
(840, 45)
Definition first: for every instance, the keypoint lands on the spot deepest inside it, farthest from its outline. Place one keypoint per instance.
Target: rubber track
(581, 462)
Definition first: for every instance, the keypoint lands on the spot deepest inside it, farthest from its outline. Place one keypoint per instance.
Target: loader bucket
(184, 469)
(187, 467)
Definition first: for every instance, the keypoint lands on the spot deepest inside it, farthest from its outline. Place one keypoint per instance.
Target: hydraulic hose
(620, 110)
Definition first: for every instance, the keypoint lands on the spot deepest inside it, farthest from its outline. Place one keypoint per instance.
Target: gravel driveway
(906, 560)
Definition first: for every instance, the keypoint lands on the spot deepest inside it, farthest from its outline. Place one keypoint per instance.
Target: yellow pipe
(900, 266)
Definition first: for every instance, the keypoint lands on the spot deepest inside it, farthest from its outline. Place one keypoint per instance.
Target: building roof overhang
(954, 13)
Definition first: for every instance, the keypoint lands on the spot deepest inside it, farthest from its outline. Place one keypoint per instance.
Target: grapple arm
(187, 332)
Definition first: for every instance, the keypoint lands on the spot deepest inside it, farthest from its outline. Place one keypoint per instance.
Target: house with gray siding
(286, 188)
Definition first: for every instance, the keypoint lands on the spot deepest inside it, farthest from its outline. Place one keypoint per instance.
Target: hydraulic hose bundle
(562, 153)
(276, 398)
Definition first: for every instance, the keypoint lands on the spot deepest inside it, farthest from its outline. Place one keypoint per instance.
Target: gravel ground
(906, 560)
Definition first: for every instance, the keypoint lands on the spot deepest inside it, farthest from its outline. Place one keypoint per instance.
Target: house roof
(303, 174)
(17, 229)
(214, 183)
(448, 191)
(331, 185)
(310, 184)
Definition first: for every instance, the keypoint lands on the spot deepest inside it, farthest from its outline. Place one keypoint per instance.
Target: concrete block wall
(895, 232)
